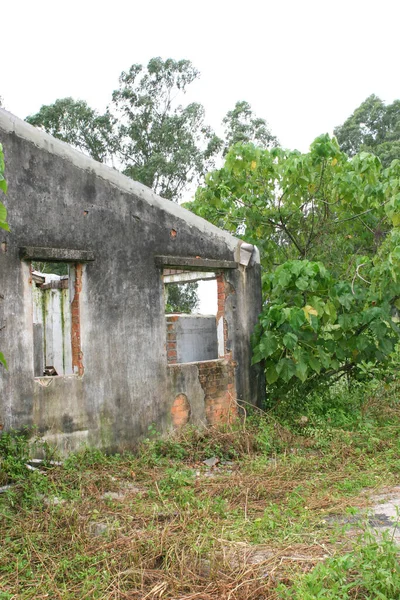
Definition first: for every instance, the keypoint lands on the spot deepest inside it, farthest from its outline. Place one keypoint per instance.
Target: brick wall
(180, 410)
(77, 355)
(172, 356)
(218, 382)
(223, 289)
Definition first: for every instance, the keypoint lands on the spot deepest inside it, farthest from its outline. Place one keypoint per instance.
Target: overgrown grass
(162, 524)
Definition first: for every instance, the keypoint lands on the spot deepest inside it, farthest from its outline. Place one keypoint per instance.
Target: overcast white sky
(303, 65)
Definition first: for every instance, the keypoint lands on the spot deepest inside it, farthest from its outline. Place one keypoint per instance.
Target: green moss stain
(63, 298)
(106, 429)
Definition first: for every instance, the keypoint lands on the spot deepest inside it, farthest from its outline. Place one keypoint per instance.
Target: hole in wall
(191, 306)
(56, 288)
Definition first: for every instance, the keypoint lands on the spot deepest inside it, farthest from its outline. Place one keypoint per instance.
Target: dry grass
(163, 525)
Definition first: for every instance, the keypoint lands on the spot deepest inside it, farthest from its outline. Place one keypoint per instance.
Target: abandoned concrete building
(92, 356)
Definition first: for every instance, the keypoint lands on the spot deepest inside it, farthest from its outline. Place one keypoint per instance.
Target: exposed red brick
(172, 356)
(77, 355)
(180, 411)
(217, 379)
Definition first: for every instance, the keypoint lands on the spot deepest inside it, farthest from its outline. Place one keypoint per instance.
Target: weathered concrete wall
(52, 326)
(77, 208)
(191, 338)
(202, 393)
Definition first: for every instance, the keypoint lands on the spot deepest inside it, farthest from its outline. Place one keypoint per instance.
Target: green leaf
(270, 372)
(301, 371)
(297, 318)
(3, 360)
(284, 278)
(346, 300)
(290, 340)
(3, 213)
(315, 364)
(3, 217)
(330, 310)
(302, 283)
(268, 344)
(345, 321)
(286, 369)
(386, 345)
(324, 357)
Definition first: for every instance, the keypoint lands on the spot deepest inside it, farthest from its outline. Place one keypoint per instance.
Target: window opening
(191, 306)
(56, 291)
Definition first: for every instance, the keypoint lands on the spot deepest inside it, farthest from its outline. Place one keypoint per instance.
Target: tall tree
(74, 122)
(328, 230)
(163, 144)
(148, 132)
(373, 127)
(242, 126)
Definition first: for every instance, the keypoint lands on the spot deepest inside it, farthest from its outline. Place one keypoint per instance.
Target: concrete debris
(211, 462)
(113, 496)
(98, 529)
(40, 461)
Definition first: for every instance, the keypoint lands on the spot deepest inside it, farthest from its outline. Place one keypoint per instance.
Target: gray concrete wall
(60, 199)
(196, 337)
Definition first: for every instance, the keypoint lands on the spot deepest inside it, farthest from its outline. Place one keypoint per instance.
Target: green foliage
(148, 132)
(241, 126)
(56, 268)
(373, 127)
(181, 298)
(328, 230)
(74, 122)
(315, 326)
(370, 570)
(163, 144)
(102, 526)
(3, 188)
(224, 442)
(16, 448)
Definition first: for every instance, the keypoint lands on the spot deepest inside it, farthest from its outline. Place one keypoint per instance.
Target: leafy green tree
(75, 123)
(3, 216)
(163, 144)
(373, 127)
(148, 132)
(243, 127)
(181, 298)
(328, 230)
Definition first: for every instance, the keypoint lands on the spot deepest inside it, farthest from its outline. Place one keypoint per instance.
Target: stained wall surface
(118, 237)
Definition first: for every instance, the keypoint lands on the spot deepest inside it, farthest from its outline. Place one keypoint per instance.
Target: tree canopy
(181, 297)
(162, 144)
(75, 123)
(373, 127)
(148, 132)
(328, 230)
(243, 127)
